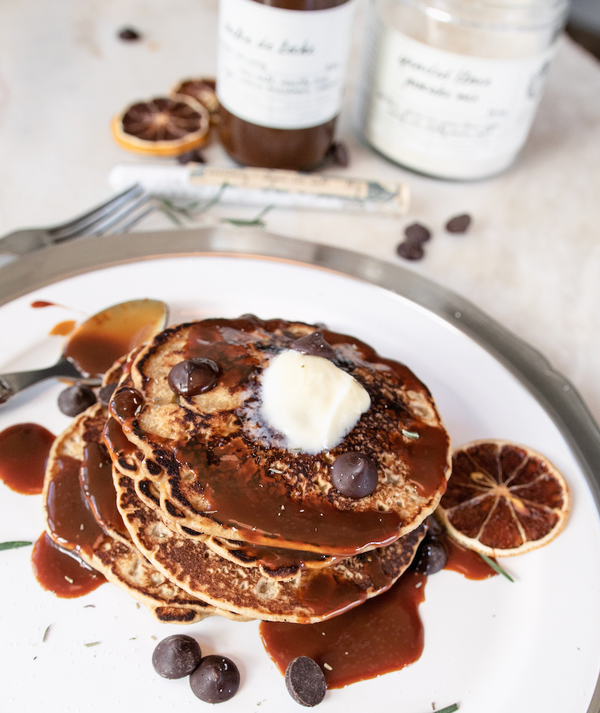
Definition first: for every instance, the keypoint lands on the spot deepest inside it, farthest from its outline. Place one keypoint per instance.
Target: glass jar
(449, 88)
(280, 79)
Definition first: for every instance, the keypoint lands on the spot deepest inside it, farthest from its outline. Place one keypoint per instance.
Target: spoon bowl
(95, 345)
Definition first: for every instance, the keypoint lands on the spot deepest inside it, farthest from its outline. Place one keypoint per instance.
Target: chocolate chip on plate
(314, 345)
(410, 251)
(216, 679)
(176, 656)
(431, 556)
(417, 233)
(106, 392)
(75, 399)
(193, 376)
(354, 474)
(459, 224)
(129, 34)
(305, 681)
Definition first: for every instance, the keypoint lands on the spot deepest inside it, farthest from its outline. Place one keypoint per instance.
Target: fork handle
(11, 384)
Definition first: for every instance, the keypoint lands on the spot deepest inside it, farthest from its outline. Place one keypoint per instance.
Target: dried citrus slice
(162, 126)
(503, 499)
(203, 90)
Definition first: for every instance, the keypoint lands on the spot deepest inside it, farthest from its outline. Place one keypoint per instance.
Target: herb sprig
(495, 566)
(14, 544)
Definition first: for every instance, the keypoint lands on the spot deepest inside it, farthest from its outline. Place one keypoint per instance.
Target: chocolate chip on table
(314, 345)
(75, 399)
(410, 251)
(216, 679)
(417, 233)
(459, 224)
(193, 156)
(354, 474)
(106, 392)
(305, 681)
(431, 556)
(193, 376)
(176, 656)
(338, 154)
(129, 34)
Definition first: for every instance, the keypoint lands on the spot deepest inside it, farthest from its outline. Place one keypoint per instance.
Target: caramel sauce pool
(24, 450)
(60, 572)
(382, 635)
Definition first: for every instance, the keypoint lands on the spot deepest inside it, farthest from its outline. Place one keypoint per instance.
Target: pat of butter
(312, 402)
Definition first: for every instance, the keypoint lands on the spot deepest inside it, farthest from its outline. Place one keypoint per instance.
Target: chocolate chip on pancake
(354, 474)
(193, 376)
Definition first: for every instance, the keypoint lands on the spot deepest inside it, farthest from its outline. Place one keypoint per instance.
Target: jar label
(283, 69)
(448, 114)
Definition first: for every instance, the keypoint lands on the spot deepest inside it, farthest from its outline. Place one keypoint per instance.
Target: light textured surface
(531, 259)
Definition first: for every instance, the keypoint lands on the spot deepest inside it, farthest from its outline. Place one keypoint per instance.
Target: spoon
(95, 345)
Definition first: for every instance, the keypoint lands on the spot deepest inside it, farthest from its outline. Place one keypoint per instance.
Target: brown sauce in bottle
(297, 149)
(382, 635)
(61, 572)
(24, 450)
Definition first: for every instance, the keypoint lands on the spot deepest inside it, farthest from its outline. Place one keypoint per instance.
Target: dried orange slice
(503, 499)
(162, 126)
(203, 90)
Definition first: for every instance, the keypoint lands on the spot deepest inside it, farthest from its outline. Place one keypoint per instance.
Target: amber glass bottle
(280, 79)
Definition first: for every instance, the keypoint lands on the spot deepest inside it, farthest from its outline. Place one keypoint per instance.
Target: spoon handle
(11, 384)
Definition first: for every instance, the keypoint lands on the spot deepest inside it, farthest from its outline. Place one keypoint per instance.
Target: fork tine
(79, 225)
(133, 213)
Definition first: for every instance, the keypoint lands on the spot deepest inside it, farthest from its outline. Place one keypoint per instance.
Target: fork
(118, 214)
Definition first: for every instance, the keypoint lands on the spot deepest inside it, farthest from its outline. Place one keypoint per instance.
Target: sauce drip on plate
(24, 450)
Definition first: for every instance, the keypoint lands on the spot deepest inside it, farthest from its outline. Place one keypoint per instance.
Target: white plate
(489, 646)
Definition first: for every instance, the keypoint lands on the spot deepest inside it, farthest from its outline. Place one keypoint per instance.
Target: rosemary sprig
(254, 222)
(449, 709)
(45, 636)
(14, 544)
(190, 211)
(495, 566)
(92, 643)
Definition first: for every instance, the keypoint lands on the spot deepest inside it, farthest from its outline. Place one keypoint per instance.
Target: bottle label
(283, 69)
(446, 113)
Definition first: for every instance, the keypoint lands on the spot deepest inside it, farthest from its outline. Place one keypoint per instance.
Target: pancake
(217, 468)
(313, 595)
(97, 535)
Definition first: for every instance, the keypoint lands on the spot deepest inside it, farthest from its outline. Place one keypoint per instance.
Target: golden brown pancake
(218, 469)
(313, 595)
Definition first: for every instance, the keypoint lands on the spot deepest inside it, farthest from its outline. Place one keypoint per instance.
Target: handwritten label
(281, 68)
(448, 114)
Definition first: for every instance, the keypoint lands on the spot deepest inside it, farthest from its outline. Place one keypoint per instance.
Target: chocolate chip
(216, 679)
(354, 474)
(305, 681)
(176, 656)
(338, 154)
(417, 233)
(76, 399)
(459, 224)
(314, 345)
(193, 376)
(193, 156)
(410, 251)
(431, 556)
(106, 392)
(126, 403)
(129, 34)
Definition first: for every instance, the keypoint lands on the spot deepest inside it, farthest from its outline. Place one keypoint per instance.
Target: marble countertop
(531, 259)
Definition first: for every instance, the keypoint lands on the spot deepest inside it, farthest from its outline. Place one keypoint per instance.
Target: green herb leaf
(409, 434)
(13, 545)
(449, 709)
(92, 643)
(45, 636)
(496, 567)
(255, 222)
(190, 211)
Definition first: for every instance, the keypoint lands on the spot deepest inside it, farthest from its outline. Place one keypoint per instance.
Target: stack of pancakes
(216, 515)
